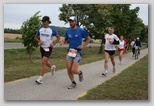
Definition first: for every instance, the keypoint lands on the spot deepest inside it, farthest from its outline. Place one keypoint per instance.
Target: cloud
(143, 12)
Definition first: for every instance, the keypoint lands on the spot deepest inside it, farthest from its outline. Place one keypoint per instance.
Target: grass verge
(131, 84)
(18, 66)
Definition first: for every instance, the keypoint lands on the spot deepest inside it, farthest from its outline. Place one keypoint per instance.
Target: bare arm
(87, 41)
(58, 38)
(63, 42)
(37, 39)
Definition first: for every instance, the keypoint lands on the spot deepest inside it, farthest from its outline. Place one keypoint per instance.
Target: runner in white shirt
(109, 42)
(44, 36)
(121, 48)
(133, 47)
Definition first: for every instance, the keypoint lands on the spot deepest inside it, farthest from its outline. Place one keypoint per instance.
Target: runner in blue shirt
(74, 36)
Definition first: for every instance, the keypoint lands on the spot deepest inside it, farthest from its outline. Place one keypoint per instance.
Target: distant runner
(121, 48)
(126, 45)
(133, 47)
(109, 42)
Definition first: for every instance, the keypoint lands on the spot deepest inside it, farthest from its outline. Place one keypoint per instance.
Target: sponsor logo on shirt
(45, 35)
(69, 35)
(109, 39)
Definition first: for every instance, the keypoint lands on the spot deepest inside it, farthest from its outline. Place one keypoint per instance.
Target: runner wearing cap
(74, 36)
(44, 36)
(109, 42)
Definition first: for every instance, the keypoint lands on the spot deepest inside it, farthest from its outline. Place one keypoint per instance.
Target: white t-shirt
(46, 35)
(132, 43)
(108, 46)
(121, 44)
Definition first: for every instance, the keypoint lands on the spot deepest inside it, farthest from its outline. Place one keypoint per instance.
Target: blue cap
(73, 18)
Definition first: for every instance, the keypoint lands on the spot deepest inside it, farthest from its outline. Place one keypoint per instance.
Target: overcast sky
(16, 14)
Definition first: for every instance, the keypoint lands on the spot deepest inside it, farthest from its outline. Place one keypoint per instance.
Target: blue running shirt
(46, 35)
(75, 37)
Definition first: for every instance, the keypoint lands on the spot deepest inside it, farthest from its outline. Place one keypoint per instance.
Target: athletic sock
(41, 77)
(73, 82)
(80, 72)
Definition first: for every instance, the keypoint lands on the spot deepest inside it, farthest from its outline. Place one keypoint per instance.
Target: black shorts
(110, 52)
(45, 53)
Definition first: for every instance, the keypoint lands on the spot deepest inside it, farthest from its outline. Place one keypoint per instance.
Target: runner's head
(138, 38)
(110, 30)
(72, 21)
(121, 37)
(46, 21)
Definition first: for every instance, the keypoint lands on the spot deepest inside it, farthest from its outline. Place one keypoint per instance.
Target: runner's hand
(51, 44)
(80, 47)
(102, 44)
(40, 43)
(110, 42)
(61, 43)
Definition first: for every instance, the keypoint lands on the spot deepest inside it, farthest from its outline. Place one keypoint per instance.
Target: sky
(16, 14)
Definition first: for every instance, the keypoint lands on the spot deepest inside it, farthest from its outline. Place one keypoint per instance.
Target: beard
(72, 26)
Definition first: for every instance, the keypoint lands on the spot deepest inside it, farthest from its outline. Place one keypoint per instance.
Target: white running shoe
(105, 73)
(53, 69)
(39, 80)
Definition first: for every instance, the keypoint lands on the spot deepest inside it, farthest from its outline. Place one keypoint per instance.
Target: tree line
(60, 30)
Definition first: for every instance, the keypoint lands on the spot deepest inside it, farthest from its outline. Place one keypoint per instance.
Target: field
(11, 36)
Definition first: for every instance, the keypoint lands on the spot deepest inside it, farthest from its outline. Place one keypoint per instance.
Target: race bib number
(46, 49)
(72, 53)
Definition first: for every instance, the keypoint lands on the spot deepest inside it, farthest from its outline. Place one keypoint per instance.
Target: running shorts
(46, 51)
(120, 49)
(74, 59)
(110, 52)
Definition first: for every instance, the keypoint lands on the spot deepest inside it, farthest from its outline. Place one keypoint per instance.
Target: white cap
(73, 18)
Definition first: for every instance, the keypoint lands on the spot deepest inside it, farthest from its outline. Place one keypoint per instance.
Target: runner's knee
(44, 60)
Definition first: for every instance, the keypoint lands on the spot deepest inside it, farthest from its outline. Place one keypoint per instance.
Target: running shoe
(81, 76)
(39, 80)
(53, 68)
(105, 73)
(114, 70)
(72, 86)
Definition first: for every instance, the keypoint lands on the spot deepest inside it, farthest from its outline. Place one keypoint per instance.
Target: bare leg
(75, 68)
(120, 56)
(49, 64)
(44, 62)
(112, 60)
(106, 55)
(69, 67)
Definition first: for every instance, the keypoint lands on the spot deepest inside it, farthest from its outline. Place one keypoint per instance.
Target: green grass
(131, 84)
(18, 66)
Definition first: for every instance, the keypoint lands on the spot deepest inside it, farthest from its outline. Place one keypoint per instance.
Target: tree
(28, 29)
(96, 18)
